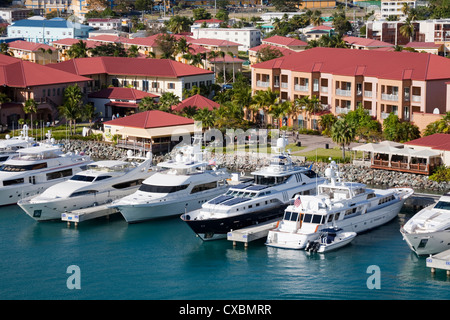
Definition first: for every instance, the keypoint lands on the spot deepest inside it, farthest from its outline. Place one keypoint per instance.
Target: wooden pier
(80, 215)
(251, 233)
(439, 261)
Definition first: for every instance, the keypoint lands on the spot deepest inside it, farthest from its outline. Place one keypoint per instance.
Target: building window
(171, 85)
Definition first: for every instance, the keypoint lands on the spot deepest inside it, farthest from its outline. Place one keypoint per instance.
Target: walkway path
(312, 142)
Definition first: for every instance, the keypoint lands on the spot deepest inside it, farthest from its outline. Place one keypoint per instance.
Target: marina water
(164, 260)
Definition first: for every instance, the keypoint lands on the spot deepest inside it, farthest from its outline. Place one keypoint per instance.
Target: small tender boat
(330, 239)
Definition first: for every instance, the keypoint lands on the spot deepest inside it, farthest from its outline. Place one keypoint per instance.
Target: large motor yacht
(102, 182)
(35, 169)
(346, 205)
(10, 145)
(182, 184)
(428, 231)
(255, 201)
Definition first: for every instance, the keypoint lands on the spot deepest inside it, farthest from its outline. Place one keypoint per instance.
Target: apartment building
(156, 76)
(246, 37)
(10, 15)
(34, 52)
(382, 82)
(395, 7)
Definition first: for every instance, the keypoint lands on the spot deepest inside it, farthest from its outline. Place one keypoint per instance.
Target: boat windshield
(81, 177)
(28, 167)
(240, 193)
(444, 205)
(270, 180)
(290, 216)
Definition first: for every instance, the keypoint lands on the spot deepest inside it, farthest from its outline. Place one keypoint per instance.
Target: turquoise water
(163, 260)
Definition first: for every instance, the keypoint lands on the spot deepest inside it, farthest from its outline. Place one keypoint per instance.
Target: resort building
(402, 83)
(253, 53)
(367, 44)
(395, 7)
(112, 102)
(105, 24)
(9, 15)
(286, 42)
(149, 130)
(40, 30)
(35, 52)
(156, 76)
(24, 80)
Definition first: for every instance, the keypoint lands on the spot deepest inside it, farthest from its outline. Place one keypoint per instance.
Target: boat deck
(251, 233)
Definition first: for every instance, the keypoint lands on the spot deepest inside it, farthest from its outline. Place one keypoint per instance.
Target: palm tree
(222, 55)
(213, 55)
(206, 116)
(89, 113)
(133, 51)
(312, 106)
(231, 54)
(167, 100)
(147, 103)
(30, 107)
(71, 108)
(189, 111)
(343, 132)
(278, 111)
(407, 29)
(78, 50)
(265, 99)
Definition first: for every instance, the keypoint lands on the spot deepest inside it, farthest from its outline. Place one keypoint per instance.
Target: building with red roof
(429, 47)
(156, 76)
(22, 80)
(383, 82)
(198, 101)
(122, 101)
(365, 43)
(150, 129)
(63, 45)
(253, 52)
(286, 42)
(32, 51)
(439, 142)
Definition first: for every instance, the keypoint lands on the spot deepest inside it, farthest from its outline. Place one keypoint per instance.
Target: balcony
(368, 94)
(284, 85)
(340, 110)
(324, 89)
(345, 93)
(262, 84)
(416, 98)
(389, 97)
(298, 87)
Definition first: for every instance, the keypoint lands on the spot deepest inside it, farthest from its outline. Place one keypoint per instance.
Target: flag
(297, 202)
(212, 162)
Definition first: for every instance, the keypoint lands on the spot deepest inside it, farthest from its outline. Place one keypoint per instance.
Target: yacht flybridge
(253, 202)
(428, 231)
(35, 169)
(100, 183)
(10, 145)
(349, 206)
(182, 184)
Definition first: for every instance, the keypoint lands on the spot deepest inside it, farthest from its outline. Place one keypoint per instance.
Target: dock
(439, 261)
(251, 233)
(80, 215)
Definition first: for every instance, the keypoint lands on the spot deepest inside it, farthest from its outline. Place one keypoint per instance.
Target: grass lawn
(323, 155)
(254, 148)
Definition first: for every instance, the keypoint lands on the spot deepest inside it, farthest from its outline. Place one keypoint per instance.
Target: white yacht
(10, 146)
(257, 201)
(35, 169)
(428, 231)
(349, 206)
(182, 184)
(102, 182)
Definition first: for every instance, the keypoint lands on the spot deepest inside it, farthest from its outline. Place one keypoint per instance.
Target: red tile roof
(284, 51)
(121, 94)
(72, 41)
(367, 42)
(17, 73)
(164, 68)
(198, 101)
(28, 46)
(439, 141)
(285, 41)
(150, 119)
(214, 42)
(208, 21)
(368, 63)
(423, 45)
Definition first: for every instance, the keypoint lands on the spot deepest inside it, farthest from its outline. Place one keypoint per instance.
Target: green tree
(167, 100)
(326, 123)
(147, 103)
(439, 126)
(167, 44)
(133, 51)
(30, 107)
(143, 5)
(206, 116)
(71, 108)
(201, 14)
(268, 53)
(343, 133)
(89, 113)
(78, 50)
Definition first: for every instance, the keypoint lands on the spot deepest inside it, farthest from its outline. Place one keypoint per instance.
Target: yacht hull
(427, 243)
(134, 213)
(44, 211)
(358, 224)
(214, 229)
